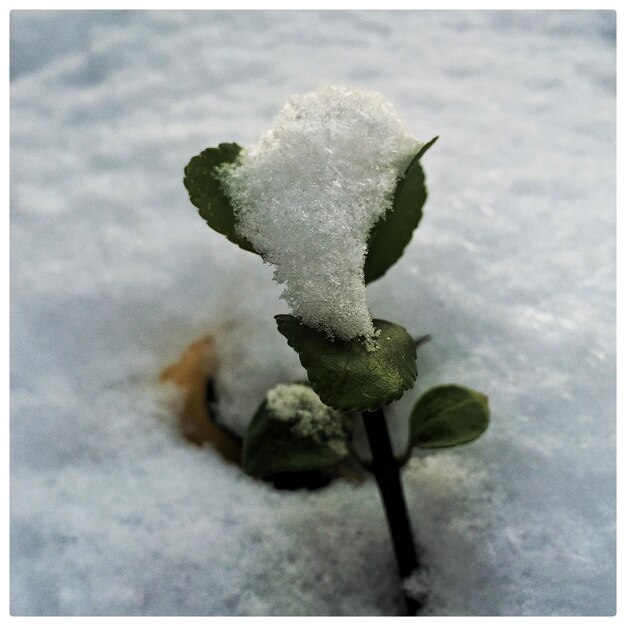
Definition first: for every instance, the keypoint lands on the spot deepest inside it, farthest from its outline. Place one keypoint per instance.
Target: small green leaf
(206, 192)
(292, 431)
(392, 233)
(448, 415)
(348, 376)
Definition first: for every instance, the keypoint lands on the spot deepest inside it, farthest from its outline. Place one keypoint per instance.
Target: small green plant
(286, 199)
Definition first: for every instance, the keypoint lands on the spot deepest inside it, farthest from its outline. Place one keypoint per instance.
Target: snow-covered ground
(113, 274)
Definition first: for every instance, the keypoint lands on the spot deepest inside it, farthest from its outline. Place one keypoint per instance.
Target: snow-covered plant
(330, 196)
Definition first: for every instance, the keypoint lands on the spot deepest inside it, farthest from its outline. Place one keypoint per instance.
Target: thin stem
(387, 474)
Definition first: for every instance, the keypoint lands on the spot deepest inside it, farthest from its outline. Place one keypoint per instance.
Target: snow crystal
(308, 194)
(311, 418)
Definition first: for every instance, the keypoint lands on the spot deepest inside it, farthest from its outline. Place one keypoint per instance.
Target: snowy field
(113, 274)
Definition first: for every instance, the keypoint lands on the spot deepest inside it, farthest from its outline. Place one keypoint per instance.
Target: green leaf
(448, 415)
(392, 233)
(295, 434)
(348, 376)
(206, 192)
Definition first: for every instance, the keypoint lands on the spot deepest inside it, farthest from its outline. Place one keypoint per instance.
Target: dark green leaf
(312, 437)
(392, 233)
(447, 416)
(345, 374)
(207, 194)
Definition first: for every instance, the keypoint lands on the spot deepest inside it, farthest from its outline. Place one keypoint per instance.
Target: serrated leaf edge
(224, 148)
(315, 383)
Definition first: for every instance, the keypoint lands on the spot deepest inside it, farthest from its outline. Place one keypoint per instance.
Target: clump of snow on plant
(308, 194)
(418, 585)
(311, 418)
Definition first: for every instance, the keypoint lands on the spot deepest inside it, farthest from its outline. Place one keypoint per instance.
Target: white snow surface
(512, 272)
(308, 194)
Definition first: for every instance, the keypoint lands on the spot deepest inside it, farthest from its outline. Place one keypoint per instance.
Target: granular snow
(311, 418)
(308, 194)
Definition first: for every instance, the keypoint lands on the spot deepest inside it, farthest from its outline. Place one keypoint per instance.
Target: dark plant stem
(387, 474)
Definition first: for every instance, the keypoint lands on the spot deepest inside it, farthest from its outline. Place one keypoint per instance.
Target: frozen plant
(330, 196)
